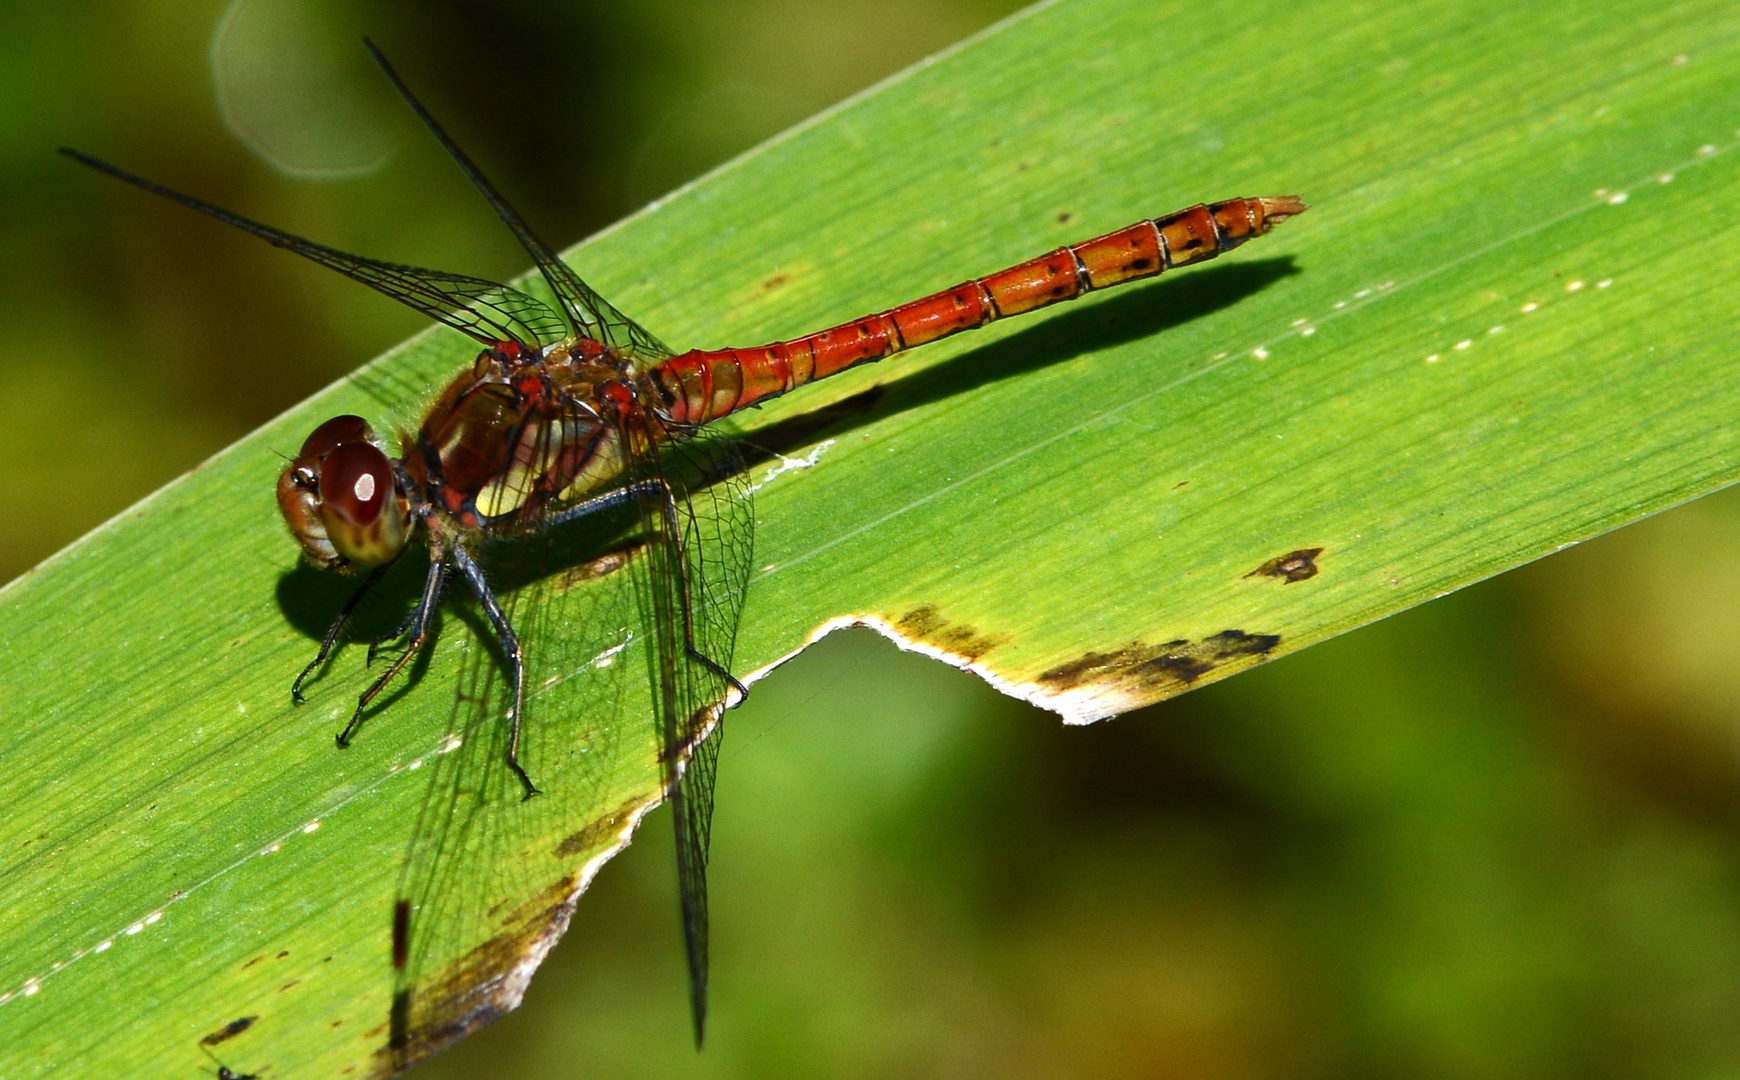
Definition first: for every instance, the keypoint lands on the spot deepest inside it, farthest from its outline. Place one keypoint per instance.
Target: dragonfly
(572, 411)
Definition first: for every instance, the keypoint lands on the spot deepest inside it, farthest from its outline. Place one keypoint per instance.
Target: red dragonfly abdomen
(701, 385)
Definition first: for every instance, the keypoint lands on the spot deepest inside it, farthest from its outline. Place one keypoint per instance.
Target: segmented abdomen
(701, 386)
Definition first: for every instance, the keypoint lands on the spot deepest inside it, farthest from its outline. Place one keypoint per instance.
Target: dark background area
(1493, 836)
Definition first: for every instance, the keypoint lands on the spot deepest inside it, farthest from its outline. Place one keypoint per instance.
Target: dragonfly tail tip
(1278, 208)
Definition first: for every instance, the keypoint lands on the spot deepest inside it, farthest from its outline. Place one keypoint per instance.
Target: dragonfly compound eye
(334, 433)
(339, 499)
(362, 509)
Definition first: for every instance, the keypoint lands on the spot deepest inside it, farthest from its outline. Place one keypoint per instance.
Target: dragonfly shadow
(1117, 320)
(310, 599)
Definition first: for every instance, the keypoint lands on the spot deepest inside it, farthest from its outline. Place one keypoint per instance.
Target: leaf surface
(1505, 325)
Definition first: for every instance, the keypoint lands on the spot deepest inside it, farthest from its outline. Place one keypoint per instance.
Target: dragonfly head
(341, 498)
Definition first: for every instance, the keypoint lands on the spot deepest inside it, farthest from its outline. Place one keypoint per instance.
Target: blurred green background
(1495, 836)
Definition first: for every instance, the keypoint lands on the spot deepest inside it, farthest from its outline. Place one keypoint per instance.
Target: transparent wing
(489, 878)
(590, 314)
(697, 520)
(487, 311)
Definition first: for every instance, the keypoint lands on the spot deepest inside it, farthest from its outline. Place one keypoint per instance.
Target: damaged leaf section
(925, 624)
(480, 987)
(438, 1009)
(1152, 672)
(1294, 566)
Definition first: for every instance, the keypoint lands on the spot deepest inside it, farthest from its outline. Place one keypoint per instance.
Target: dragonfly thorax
(342, 500)
(510, 437)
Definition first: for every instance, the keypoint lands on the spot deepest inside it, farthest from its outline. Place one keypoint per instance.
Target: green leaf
(1504, 326)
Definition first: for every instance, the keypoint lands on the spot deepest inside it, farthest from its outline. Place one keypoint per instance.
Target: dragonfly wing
(487, 311)
(489, 877)
(697, 522)
(589, 314)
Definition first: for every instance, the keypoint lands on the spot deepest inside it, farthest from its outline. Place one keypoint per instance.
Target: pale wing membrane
(697, 564)
(489, 874)
(483, 883)
(485, 310)
(591, 315)
(484, 886)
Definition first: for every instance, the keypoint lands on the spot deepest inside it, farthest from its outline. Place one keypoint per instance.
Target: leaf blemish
(1300, 565)
(229, 1030)
(601, 567)
(1154, 671)
(924, 623)
(486, 983)
(595, 834)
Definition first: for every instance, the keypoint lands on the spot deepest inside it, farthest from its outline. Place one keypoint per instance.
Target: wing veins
(484, 310)
(589, 313)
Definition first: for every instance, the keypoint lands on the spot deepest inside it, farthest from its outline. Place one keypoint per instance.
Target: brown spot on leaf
(925, 624)
(229, 1030)
(774, 282)
(1294, 566)
(595, 834)
(603, 566)
(1158, 671)
(1065, 217)
(586, 839)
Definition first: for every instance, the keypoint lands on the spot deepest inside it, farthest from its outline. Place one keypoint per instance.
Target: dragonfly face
(341, 499)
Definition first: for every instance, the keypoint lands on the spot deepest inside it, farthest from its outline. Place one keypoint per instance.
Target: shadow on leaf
(1119, 319)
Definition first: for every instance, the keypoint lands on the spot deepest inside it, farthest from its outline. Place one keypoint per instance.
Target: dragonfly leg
(336, 629)
(609, 499)
(673, 521)
(510, 647)
(404, 628)
(421, 617)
